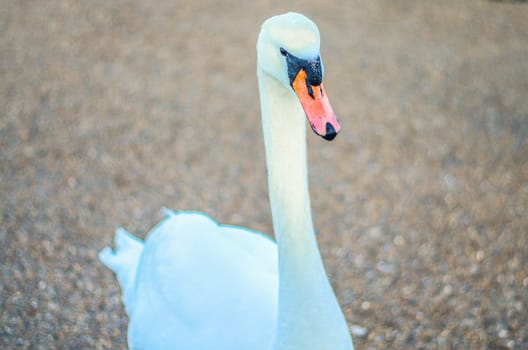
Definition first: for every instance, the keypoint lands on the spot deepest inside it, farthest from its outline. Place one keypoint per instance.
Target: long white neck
(309, 316)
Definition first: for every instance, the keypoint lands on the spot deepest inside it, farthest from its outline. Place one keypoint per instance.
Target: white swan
(195, 284)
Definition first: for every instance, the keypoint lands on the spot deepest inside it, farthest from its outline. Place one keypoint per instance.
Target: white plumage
(195, 284)
(198, 280)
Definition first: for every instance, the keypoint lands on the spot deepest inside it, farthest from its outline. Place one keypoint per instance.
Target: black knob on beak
(330, 132)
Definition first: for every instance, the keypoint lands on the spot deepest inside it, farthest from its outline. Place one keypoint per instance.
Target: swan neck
(308, 315)
(285, 142)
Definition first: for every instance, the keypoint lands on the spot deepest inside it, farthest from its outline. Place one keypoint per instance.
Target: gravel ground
(112, 109)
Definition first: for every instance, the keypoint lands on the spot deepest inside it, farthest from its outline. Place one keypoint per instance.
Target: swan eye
(283, 52)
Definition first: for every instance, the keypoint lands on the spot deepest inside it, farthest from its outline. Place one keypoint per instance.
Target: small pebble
(399, 241)
(480, 255)
(448, 289)
(365, 305)
(375, 232)
(358, 331)
(385, 267)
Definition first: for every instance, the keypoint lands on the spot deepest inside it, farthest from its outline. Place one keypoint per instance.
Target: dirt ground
(110, 110)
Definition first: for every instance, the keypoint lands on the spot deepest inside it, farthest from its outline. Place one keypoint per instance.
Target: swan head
(288, 50)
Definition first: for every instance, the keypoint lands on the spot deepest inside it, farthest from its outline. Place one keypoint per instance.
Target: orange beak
(316, 107)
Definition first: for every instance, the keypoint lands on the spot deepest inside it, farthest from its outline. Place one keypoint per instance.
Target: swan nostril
(330, 132)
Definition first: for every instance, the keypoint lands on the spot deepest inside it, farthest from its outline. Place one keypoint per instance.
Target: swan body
(196, 280)
(196, 284)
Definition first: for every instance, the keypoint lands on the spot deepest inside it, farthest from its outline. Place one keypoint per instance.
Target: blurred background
(110, 110)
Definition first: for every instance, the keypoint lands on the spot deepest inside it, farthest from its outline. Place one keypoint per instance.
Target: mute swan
(195, 284)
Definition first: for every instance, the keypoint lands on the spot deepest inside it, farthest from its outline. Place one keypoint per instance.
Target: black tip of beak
(330, 132)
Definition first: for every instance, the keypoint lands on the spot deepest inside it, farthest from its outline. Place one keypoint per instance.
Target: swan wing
(201, 285)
